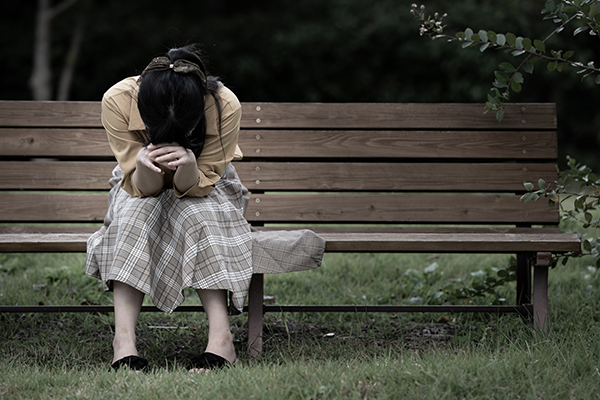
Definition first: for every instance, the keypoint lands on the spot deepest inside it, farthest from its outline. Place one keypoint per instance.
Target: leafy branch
(510, 77)
(577, 192)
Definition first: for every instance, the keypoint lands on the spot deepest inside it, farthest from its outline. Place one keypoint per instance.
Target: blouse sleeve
(124, 142)
(219, 146)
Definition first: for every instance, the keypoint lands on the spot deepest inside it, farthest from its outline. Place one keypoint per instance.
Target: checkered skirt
(164, 244)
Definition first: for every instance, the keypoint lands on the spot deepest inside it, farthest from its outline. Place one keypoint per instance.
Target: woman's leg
(128, 304)
(220, 340)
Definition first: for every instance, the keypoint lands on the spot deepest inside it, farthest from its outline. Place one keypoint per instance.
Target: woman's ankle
(123, 348)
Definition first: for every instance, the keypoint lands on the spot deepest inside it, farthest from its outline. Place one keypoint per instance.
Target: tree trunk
(66, 77)
(40, 81)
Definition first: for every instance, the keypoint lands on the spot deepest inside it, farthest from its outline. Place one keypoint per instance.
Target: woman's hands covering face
(169, 155)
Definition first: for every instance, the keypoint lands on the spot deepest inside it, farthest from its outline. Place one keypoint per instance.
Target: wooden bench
(433, 178)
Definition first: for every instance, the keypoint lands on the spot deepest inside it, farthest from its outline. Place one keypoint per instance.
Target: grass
(311, 356)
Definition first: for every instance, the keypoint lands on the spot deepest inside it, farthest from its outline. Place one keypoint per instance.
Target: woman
(176, 207)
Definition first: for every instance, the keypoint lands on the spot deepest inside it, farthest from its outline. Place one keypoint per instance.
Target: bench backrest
(305, 164)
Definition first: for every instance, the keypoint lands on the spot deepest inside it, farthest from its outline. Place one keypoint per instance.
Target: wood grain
(54, 142)
(433, 209)
(50, 114)
(44, 175)
(395, 116)
(53, 207)
(309, 115)
(306, 208)
(480, 177)
(317, 176)
(364, 242)
(398, 144)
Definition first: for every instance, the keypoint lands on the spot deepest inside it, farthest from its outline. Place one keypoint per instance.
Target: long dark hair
(172, 104)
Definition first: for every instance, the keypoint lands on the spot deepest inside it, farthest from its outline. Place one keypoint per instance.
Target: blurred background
(294, 51)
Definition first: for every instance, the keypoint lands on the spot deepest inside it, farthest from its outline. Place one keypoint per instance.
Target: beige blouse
(126, 134)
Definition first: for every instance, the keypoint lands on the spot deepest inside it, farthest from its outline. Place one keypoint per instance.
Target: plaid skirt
(164, 244)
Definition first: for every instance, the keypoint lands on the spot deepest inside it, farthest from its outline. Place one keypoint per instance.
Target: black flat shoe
(209, 361)
(134, 362)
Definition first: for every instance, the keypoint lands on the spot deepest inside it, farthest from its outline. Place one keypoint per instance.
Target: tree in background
(577, 190)
(40, 81)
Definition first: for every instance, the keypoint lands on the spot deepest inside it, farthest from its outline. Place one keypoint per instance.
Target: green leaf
(483, 36)
(539, 45)
(541, 183)
(502, 78)
(492, 37)
(549, 6)
(468, 33)
(561, 66)
(552, 66)
(598, 80)
(484, 47)
(517, 53)
(587, 246)
(507, 67)
(528, 67)
(528, 186)
(568, 55)
(518, 77)
(500, 115)
(460, 35)
(467, 44)
(526, 43)
(588, 217)
(527, 197)
(585, 8)
(580, 29)
(501, 39)
(519, 42)
(511, 39)
(515, 86)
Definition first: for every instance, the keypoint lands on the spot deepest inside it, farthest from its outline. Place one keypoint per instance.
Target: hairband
(180, 66)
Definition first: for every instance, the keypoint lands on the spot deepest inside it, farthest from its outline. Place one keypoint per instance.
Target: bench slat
(75, 175)
(395, 116)
(436, 209)
(70, 228)
(53, 207)
(475, 177)
(49, 175)
(459, 242)
(399, 144)
(303, 208)
(51, 142)
(285, 144)
(364, 242)
(50, 113)
(308, 115)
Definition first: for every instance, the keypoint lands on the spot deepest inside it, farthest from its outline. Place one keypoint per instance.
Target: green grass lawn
(306, 355)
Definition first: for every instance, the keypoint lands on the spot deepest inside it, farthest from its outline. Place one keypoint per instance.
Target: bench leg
(255, 315)
(523, 279)
(540, 292)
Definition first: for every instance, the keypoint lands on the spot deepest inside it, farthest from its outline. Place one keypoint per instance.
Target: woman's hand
(144, 160)
(170, 155)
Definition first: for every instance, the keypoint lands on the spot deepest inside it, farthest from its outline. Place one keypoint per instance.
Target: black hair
(172, 104)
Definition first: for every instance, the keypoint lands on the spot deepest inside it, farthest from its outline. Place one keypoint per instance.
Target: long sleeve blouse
(126, 136)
